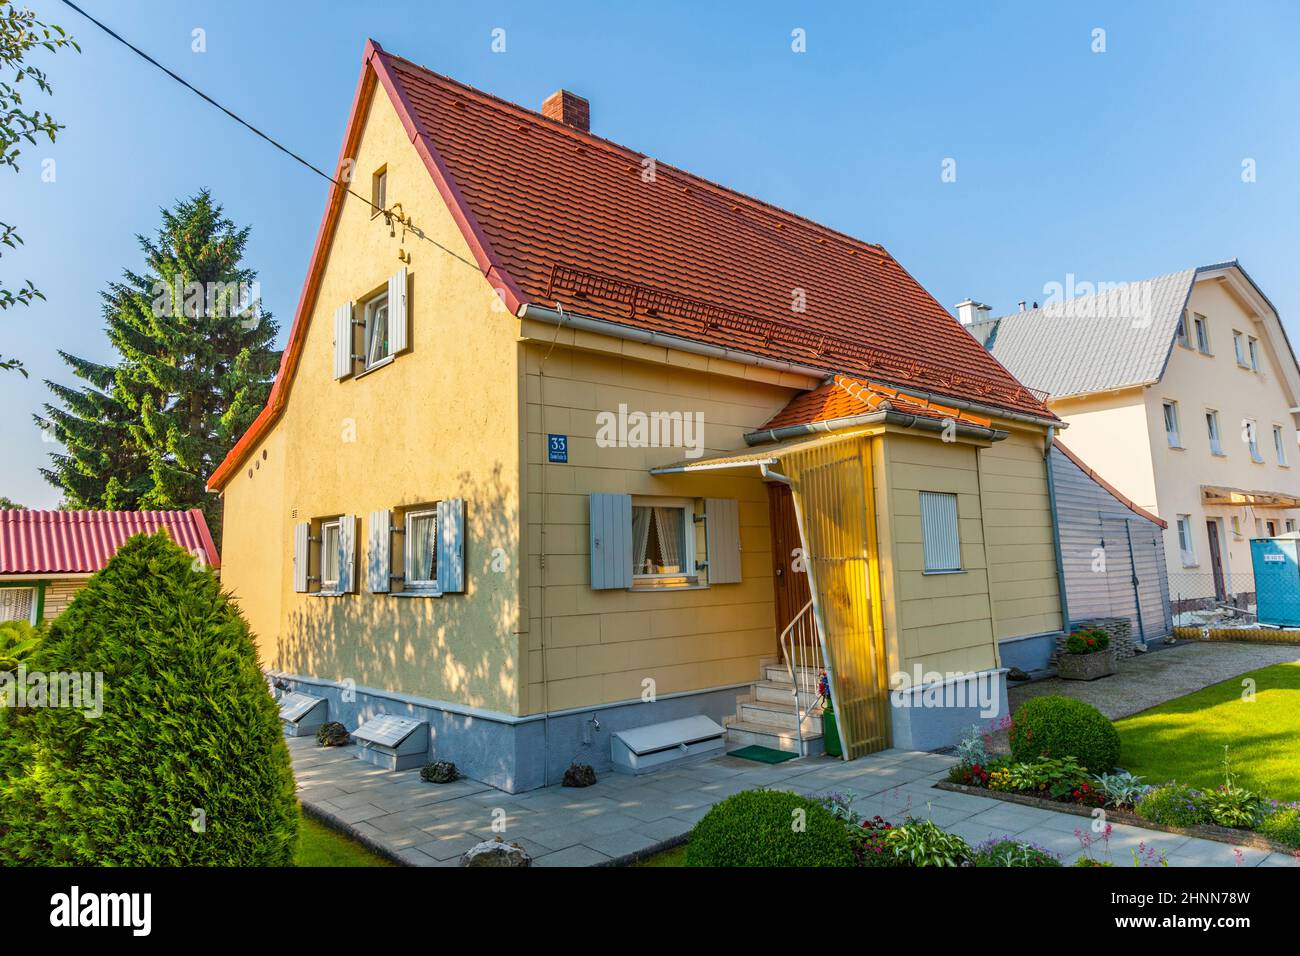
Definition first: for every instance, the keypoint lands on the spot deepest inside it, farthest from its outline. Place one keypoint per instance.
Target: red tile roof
(553, 214)
(79, 542)
(845, 397)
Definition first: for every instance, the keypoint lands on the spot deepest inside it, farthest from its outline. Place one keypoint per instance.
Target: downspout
(1056, 528)
(766, 471)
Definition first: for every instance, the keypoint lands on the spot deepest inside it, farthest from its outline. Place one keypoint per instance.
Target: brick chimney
(569, 108)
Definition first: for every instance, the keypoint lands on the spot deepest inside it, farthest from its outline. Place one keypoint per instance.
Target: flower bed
(1229, 813)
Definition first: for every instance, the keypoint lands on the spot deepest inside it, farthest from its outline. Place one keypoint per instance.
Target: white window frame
(1173, 428)
(1186, 543)
(32, 603)
(1252, 347)
(369, 309)
(932, 563)
(1181, 335)
(686, 577)
(1212, 429)
(1251, 428)
(1279, 446)
(1289, 524)
(1239, 348)
(419, 585)
(1202, 327)
(330, 585)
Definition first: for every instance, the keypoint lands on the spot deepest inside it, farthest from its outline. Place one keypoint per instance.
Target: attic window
(379, 191)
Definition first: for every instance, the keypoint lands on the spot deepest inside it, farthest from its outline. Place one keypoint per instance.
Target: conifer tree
(195, 365)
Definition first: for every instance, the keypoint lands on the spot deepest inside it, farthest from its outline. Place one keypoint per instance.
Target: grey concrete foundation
(933, 715)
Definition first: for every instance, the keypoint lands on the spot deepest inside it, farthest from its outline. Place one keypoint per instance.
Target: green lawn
(1184, 739)
(318, 845)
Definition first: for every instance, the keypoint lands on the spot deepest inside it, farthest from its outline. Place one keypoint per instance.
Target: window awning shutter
(397, 321)
(347, 554)
(611, 541)
(722, 537)
(451, 545)
(301, 559)
(379, 552)
(343, 341)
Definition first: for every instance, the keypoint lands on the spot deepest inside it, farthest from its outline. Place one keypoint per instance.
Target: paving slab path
(1147, 680)
(428, 824)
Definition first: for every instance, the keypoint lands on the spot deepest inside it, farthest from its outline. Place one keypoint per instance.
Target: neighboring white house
(1183, 391)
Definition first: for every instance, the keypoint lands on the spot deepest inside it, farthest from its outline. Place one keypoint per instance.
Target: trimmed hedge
(187, 765)
(1064, 727)
(766, 828)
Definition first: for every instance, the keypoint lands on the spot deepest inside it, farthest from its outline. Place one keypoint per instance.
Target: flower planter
(1086, 666)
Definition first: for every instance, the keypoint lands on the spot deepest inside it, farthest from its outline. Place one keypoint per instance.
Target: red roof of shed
(553, 214)
(80, 542)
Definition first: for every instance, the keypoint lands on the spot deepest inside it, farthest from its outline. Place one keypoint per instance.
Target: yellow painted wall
(1018, 534)
(941, 622)
(59, 594)
(587, 646)
(440, 421)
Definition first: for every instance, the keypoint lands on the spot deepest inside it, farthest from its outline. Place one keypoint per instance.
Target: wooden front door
(790, 586)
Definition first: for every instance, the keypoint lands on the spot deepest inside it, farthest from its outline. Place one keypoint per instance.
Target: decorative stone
(440, 771)
(496, 853)
(579, 775)
(1120, 630)
(332, 734)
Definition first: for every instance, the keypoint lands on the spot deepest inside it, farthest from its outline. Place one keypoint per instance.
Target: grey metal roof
(1114, 338)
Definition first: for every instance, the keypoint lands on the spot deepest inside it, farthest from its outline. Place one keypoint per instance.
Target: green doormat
(762, 754)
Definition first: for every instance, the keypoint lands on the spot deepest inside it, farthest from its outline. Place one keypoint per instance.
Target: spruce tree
(195, 365)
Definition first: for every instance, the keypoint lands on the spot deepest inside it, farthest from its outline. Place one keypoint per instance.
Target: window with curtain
(421, 550)
(16, 604)
(659, 541)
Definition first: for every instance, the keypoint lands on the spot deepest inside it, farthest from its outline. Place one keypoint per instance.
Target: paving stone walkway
(432, 825)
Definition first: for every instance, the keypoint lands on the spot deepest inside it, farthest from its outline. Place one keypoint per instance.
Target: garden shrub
(18, 639)
(1004, 851)
(1173, 805)
(1234, 806)
(923, 843)
(769, 828)
(332, 734)
(440, 771)
(1283, 825)
(187, 765)
(1064, 727)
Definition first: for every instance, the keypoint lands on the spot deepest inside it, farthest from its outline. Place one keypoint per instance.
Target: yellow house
(1183, 390)
(568, 442)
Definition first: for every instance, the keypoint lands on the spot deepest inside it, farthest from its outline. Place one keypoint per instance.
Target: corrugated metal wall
(832, 486)
(1091, 518)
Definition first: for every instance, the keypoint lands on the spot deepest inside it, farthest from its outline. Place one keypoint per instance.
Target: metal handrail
(803, 662)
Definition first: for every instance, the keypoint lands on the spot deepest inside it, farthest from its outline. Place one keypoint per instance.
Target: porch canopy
(1221, 495)
(765, 455)
(830, 479)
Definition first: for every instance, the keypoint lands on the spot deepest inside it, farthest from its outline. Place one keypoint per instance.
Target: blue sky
(1110, 166)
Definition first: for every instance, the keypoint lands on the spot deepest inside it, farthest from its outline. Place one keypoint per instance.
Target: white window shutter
(451, 545)
(301, 556)
(347, 554)
(611, 541)
(379, 553)
(722, 538)
(397, 321)
(343, 341)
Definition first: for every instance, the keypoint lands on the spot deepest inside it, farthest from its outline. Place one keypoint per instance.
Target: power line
(388, 214)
